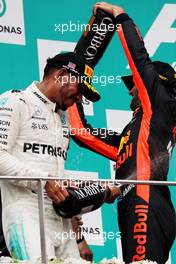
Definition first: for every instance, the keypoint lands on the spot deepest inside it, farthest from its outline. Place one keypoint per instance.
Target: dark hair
(49, 69)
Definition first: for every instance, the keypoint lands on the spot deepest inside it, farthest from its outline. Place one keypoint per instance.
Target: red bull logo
(124, 156)
(124, 140)
(128, 150)
(140, 231)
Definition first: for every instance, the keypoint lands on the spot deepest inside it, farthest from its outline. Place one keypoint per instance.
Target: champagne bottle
(81, 201)
(96, 37)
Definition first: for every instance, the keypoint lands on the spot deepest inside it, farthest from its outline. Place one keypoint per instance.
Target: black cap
(77, 65)
(165, 72)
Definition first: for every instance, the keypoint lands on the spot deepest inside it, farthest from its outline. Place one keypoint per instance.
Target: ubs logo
(39, 126)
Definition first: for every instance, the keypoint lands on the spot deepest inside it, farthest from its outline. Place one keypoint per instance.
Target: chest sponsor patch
(44, 149)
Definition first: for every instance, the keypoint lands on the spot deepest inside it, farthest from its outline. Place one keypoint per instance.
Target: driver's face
(69, 92)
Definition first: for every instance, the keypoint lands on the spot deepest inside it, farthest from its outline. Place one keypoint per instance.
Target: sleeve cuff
(121, 18)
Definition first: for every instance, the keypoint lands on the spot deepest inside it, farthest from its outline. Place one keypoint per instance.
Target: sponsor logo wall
(33, 28)
(12, 22)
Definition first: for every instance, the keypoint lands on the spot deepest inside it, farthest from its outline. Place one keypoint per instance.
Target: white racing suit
(33, 142)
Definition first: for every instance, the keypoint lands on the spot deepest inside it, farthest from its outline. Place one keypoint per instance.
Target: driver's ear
(61, 72)
(64, 71)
